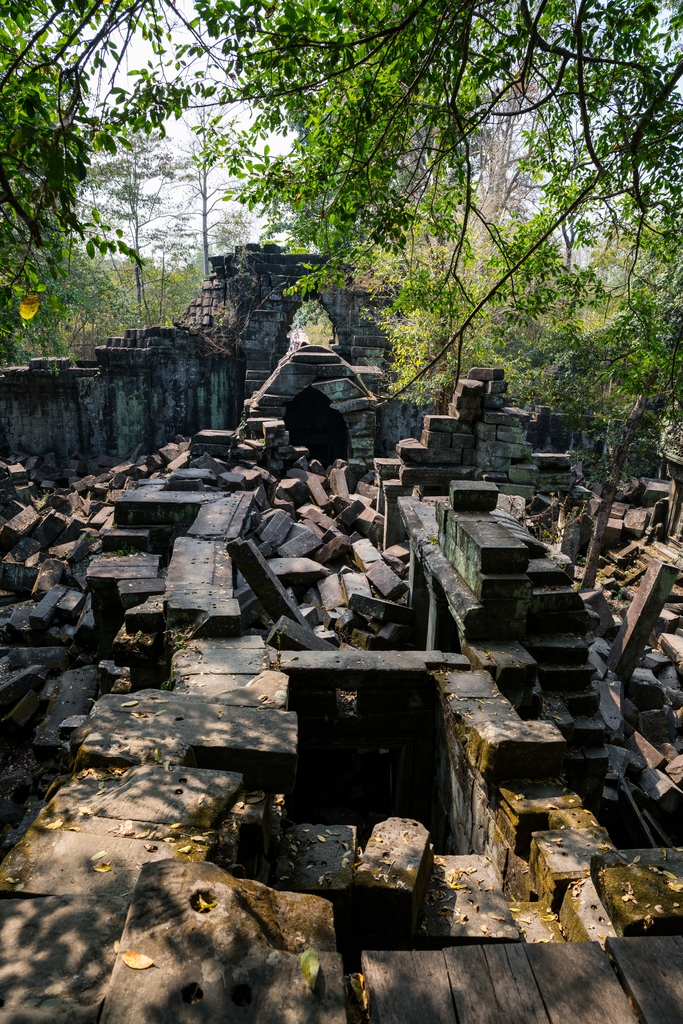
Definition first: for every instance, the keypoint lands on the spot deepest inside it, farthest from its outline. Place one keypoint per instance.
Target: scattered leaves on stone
(310, 965)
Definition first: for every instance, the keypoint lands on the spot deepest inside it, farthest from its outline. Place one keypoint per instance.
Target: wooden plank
(578, 984)
(408, 988)
(493, 985)
(651, 971)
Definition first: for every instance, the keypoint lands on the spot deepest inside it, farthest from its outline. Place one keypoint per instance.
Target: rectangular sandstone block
(473, 496)
(398, 851)
(260, 744)
(464, 904)
(561, 857)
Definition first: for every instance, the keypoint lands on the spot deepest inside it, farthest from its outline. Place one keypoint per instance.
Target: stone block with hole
(583, 916)
(318, 859)
(224, 949)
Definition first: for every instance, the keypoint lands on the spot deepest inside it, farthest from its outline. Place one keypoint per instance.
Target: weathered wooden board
(651, 971)
(408, 988)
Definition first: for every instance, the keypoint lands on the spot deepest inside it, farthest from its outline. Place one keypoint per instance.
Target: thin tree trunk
(619, 456)
(204, 186)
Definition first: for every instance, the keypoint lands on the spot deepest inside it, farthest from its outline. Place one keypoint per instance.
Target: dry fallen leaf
(55, 824)
(321, 839)
(185, 849)
(102, 867)
(99, 856)
(138, 961)
(129, 704)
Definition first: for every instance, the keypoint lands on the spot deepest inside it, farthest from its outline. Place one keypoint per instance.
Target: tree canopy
(395, 118)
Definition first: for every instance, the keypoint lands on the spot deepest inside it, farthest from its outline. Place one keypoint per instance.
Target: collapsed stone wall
(143, 388)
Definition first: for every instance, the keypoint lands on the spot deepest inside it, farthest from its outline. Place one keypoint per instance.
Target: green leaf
(310, 965)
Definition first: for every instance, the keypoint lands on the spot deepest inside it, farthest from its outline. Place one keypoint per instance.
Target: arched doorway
(312, 422)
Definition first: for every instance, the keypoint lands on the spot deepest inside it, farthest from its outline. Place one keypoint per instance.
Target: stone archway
(248, 302)
(313, 423)
(319, 369)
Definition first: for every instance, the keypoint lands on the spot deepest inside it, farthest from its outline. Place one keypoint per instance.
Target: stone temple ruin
(298, 727)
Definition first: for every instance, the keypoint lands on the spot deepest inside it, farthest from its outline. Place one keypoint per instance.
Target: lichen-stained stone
(496, 741)
(391, 878)
(258, 742)
(560, 857)
(583, 916)
(195, 797)
(642, 890)
(463, 904)
(526, 807)
(57, 956)
(223, 950)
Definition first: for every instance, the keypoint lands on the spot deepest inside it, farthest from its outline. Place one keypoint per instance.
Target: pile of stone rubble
(175, 625)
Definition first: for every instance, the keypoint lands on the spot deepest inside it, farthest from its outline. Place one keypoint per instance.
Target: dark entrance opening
(346, 786)
(313, 423)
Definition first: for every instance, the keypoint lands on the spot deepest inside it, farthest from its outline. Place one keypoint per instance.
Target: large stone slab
(232, 957)
(263, 579)
(56, 862)
(58, 954)
(72, 694)
(641, 617)
(226, 519)
(194, 797)
(147, 506)
(496, 741)
(259, 743)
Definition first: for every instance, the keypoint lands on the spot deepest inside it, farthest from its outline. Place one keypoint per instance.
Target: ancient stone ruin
(289, 718)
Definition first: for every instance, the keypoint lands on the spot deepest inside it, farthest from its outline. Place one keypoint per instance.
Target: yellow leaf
(310, 965)
(55, 824)
(178, 824)
(676, 886)
(138, 961)
(99, 856)
(358, 989)
(203, 906)
(185, 849)
(29, 307)
(103, 867)
(321, 839)
(129, 704)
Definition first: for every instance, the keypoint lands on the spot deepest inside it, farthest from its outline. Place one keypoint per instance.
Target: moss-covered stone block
(558, 858)
(642, 891)
(525, 807)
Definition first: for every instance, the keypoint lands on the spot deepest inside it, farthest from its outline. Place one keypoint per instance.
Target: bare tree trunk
(204, 187)
(619, 455)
